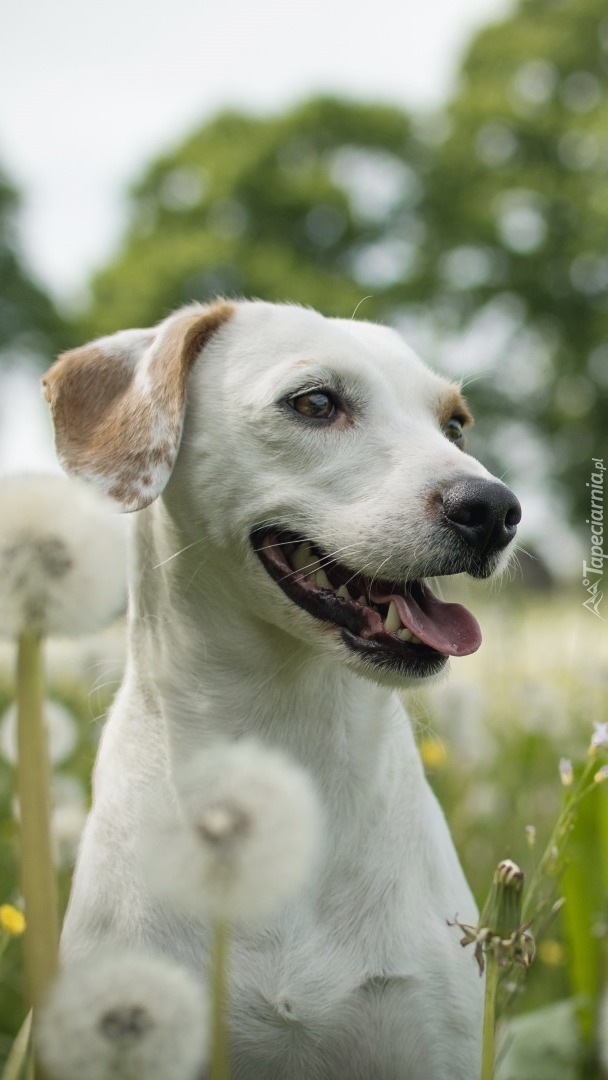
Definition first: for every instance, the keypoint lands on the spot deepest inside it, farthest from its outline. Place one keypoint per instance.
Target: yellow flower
(551, 953)
(433, 752)
(12, 921)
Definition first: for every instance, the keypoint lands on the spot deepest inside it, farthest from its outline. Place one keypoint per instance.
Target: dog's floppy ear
(118, 403)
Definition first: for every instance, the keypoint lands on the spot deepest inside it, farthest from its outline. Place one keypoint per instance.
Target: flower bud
(502, 911)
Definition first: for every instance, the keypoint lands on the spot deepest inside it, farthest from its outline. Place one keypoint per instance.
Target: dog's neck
(222, 672)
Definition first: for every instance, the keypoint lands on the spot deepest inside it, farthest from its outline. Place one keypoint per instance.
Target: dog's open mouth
(395, 625)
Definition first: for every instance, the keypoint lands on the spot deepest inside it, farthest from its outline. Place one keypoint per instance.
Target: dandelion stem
(489, 1018)
(14, 1067)
(219, 1049)
(38, 882)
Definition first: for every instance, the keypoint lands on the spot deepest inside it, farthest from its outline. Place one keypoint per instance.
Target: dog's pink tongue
(448, 628)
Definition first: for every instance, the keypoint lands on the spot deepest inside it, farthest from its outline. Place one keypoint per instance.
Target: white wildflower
(249, 839)
(61, 729)
(123, 1017)
(565, 771)
(62, 557)
(530, 831)
(599, 739)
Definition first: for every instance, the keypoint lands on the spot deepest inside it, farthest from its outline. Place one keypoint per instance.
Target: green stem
(15, 1061)
(489, 1018)
(219, 1058)
(38, 881)
(557, 841)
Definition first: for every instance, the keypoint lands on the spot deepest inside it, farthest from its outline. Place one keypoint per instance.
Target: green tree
(30, 326)
(315, 206)
(516, 207)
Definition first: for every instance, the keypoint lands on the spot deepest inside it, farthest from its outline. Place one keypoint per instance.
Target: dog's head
(321, 453)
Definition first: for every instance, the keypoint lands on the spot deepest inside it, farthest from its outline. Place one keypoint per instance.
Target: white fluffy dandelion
(123, 1017)
(62, 732)
(62, 557)
(62, 572)
(249, 839)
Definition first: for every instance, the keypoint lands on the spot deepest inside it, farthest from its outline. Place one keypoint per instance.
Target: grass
(491, 735)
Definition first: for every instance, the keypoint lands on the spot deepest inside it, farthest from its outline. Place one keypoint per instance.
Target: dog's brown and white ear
(118, 403)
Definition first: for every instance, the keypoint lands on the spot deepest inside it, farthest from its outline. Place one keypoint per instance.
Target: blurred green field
(491, 735)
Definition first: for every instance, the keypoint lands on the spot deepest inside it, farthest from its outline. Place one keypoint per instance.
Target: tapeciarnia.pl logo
(593, 570)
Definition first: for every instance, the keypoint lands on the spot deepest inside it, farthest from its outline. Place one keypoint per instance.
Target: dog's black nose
(485, 513)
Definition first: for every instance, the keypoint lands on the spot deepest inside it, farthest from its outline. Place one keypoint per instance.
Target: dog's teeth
(302, 557)
(392, 621)
(362, 600)
(406, 635)
(343, 593)
(416, 640)
(322, 580)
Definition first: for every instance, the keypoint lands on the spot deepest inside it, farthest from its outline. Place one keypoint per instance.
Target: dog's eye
(317, 404)
(453, 430)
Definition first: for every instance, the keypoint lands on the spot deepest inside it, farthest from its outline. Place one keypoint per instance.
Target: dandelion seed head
(61, 729)
(62, 557)
(601, 775)
(249, 838)
(123, 1017)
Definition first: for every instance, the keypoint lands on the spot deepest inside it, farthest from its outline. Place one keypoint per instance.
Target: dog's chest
(297, 1006)
(307, 1000)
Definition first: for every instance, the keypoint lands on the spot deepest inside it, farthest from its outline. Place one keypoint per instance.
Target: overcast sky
(89, 92)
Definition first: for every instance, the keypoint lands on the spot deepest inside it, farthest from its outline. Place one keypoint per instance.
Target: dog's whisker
(322, 562)
(180, 552)
(361, 301)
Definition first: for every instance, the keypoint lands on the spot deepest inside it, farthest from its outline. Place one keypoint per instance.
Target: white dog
(297, 480)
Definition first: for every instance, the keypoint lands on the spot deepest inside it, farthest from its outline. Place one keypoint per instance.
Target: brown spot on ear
(118, 404)
(82, 387)
(453, 404)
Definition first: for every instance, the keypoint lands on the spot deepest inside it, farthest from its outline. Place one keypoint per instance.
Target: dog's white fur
(360, 978)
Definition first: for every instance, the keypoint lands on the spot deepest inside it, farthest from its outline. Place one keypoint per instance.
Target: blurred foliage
(516, 205)
(282, 208)
(30, 326)
(480, 233)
